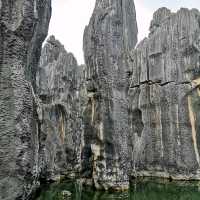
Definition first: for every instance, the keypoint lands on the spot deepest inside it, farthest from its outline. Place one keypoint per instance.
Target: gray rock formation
(59, 82)
(23, 25)
(132, 111)
(164, 97)
(127, 112)
(110, 35)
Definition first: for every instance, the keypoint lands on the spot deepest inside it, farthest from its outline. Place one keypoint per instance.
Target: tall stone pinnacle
(23, 27)
(110, 35)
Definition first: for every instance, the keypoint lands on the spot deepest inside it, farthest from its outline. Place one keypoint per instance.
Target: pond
(140, 190)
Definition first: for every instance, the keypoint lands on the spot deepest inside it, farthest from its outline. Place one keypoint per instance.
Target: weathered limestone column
(110, 35)
(23, 27)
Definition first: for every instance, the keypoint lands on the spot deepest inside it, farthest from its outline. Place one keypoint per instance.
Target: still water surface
(148, 190)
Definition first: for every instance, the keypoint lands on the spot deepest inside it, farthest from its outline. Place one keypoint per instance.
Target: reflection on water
(146, 190)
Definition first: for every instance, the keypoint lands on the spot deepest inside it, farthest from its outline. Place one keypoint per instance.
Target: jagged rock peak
(163, 14)
(175, 39)
(54, 42)
(116, 13)
(53, 50)
(56, 65)
(158, 17)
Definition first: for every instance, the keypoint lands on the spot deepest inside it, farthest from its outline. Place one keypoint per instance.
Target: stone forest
(131, 112)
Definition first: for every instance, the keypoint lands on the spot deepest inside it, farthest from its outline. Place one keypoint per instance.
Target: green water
(146, 190)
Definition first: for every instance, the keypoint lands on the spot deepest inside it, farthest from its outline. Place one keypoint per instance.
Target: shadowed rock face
(165, 88)
(110, 35)
(23, 25)
(59, 88)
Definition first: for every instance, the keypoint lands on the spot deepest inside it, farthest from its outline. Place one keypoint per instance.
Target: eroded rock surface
(164, 97)
(24, 25)
(110, 35)
(131, 111)
(59, 83)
